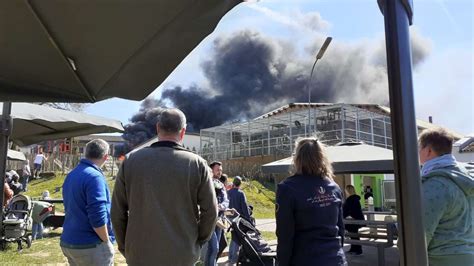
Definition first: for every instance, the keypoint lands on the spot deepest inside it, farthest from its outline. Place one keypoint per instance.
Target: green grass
(261, 197)
(37, 186)
(52, 184)
(47, 251)
(44, 251)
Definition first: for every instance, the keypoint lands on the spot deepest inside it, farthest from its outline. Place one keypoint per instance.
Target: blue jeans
(213, 247)
(37, 231)
(25, 182)
(234, 251)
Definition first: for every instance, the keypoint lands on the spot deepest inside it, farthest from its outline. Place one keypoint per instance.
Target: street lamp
(320, 54)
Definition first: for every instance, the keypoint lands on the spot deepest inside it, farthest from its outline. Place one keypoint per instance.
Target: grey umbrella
(90, 50)
(34, 123)
(353, 159)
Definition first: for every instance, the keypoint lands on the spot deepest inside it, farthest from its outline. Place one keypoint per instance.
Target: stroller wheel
(28, 241)
(20, 246)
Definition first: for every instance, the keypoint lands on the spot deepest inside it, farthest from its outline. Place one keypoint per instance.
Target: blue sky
(444, 86)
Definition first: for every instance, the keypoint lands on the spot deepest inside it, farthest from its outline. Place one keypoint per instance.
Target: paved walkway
(368, 258)
(267, 225)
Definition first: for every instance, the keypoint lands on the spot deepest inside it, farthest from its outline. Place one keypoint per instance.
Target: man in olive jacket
(163, 206)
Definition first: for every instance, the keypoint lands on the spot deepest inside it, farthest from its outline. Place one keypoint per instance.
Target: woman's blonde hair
(310, 158)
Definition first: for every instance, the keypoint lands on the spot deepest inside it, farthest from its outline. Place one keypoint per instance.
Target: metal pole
(404, 132)
(6, 124)
(309, 97)
(385, 132)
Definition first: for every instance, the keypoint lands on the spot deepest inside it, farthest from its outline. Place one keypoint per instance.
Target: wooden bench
(381, 236)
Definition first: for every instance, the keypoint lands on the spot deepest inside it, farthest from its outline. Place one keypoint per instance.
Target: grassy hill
(260, 195)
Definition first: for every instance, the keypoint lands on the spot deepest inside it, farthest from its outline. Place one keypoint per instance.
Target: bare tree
(76, 107)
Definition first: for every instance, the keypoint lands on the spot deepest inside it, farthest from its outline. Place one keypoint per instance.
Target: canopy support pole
(6, 126)
(397, 16)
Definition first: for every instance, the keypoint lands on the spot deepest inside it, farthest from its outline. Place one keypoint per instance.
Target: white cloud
(308, 21)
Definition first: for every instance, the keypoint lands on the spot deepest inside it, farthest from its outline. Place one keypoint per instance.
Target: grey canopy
(34, 123)
(90, 50)
(361, 158)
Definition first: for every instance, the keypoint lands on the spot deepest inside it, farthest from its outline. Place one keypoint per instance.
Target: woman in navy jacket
(310, 227)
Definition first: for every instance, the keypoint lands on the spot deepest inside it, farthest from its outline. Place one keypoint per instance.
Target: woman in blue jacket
(310, 227)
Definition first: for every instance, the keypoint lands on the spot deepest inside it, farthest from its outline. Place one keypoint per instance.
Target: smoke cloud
(142, 126)
(248, 74)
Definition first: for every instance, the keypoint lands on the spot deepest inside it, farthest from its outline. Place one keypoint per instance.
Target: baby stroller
(17, 222)
(254, 249)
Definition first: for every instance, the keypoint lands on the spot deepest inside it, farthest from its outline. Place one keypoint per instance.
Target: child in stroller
(254, 249)
(16, 225)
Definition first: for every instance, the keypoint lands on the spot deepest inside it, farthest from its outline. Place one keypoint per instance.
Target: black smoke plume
(249, 74)
(142, 126)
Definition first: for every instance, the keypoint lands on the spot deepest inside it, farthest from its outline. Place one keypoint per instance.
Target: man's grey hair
(97, 149)
(171, 121)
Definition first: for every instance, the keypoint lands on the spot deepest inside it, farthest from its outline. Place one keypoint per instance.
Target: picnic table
(380, 234)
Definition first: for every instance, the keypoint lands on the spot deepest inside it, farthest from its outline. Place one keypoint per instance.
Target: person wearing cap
(237, 201)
